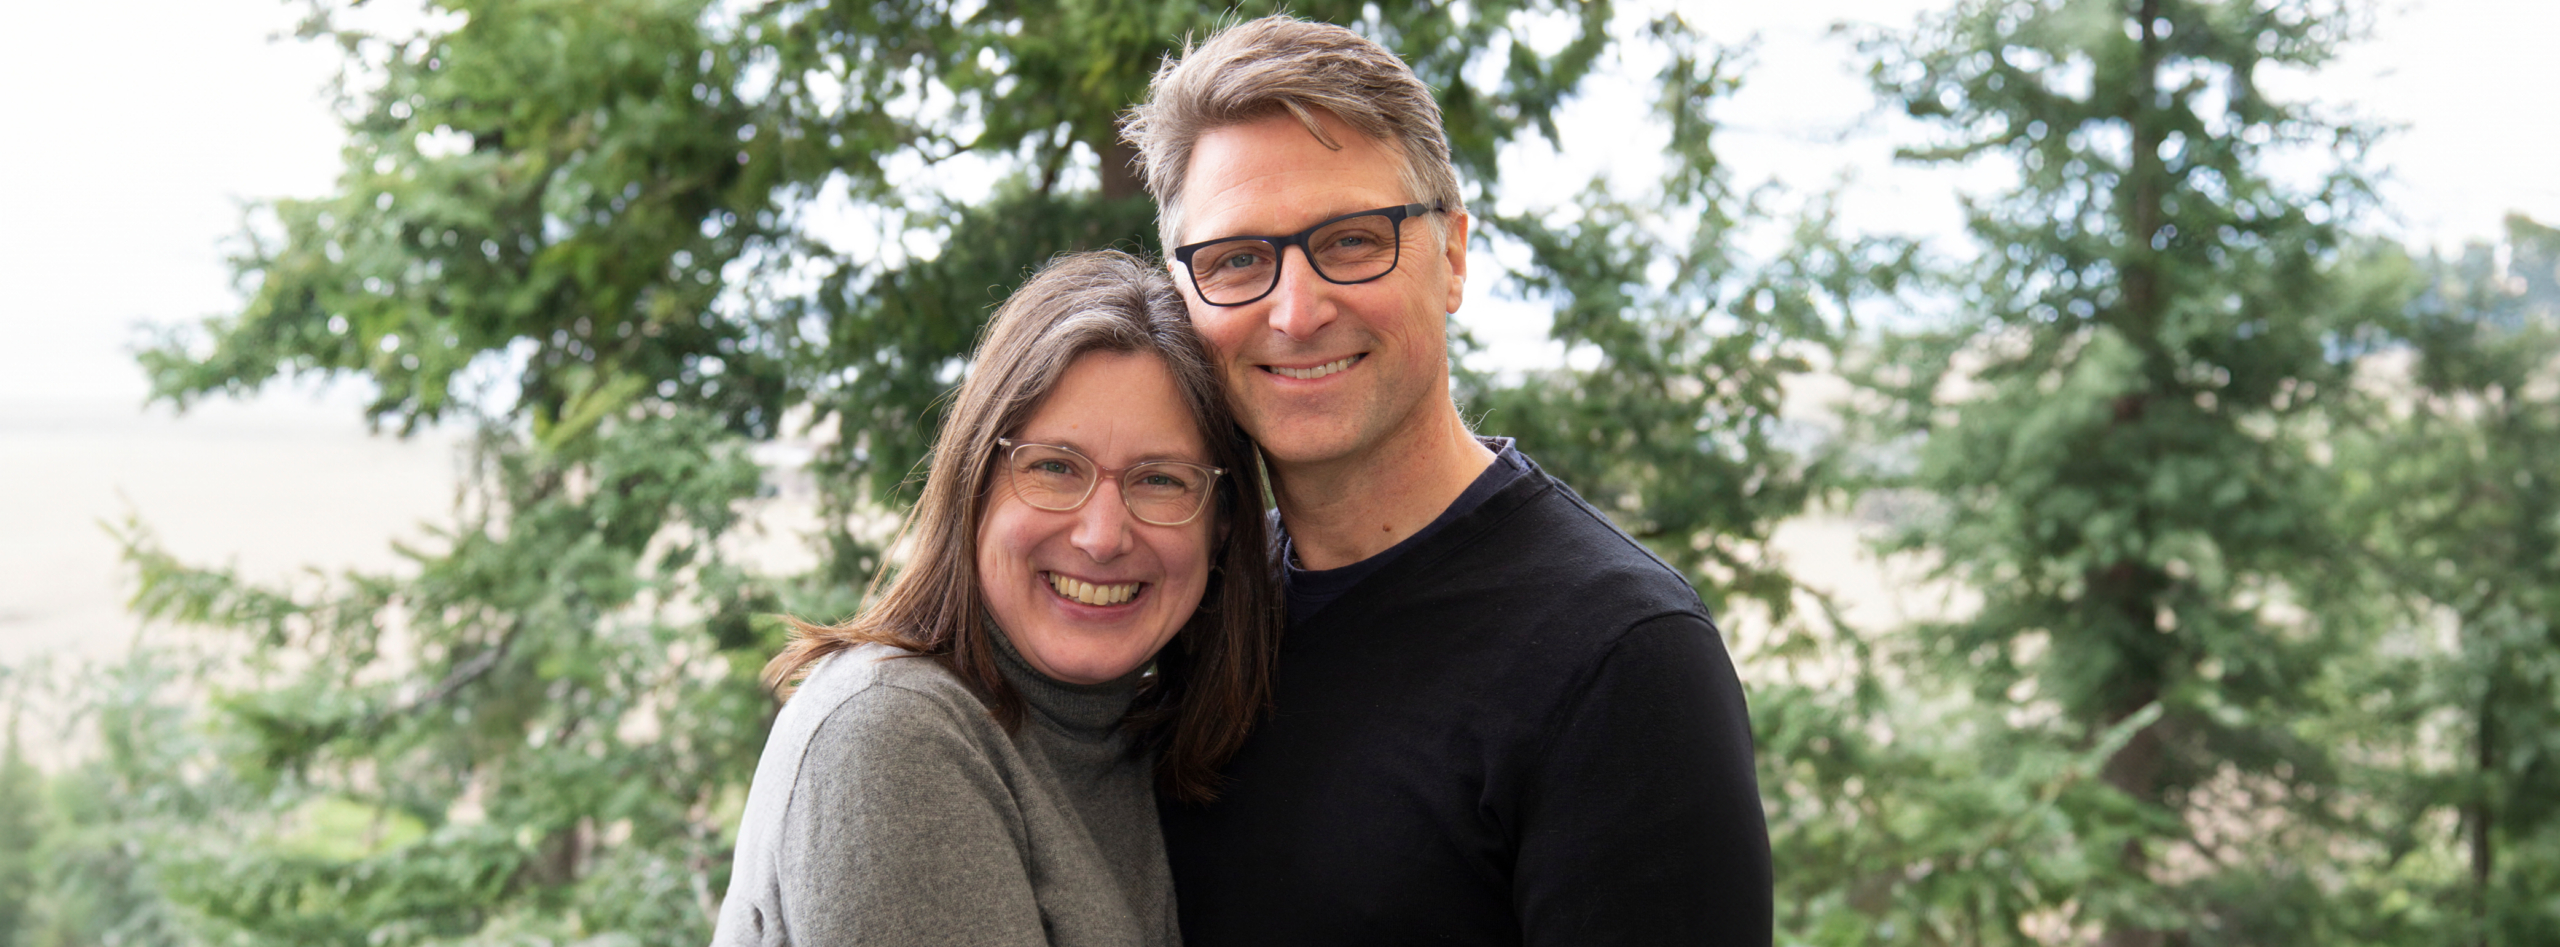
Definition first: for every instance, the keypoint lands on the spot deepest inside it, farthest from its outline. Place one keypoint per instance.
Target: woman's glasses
(1157, 492)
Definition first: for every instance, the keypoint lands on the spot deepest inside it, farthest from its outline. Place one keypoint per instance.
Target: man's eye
(1351, 241)
(1242, 260)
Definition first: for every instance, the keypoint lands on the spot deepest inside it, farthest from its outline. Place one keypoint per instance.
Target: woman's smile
(1101, 594)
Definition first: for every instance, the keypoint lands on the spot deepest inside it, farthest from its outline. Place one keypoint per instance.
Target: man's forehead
(1273, 173)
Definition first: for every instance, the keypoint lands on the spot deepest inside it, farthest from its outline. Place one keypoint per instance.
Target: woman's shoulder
(885, 724)
(877, 691)
(875, 744)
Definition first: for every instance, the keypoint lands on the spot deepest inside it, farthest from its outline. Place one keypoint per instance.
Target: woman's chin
(1079, 643)
(1088, 669)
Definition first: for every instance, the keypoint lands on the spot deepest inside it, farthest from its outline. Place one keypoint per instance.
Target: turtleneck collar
(1086, 711)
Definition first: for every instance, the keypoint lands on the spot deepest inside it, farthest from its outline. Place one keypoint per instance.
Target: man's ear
(1457, 252)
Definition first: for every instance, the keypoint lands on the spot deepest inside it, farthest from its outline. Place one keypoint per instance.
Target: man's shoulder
(1534, 574)
(1552, 541)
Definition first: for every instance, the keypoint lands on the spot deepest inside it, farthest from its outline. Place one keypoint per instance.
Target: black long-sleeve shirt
(1524, 729)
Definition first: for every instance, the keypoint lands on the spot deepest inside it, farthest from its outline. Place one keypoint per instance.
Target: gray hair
(1275, 64)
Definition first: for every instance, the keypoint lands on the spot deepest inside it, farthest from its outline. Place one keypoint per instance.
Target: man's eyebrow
(1311, 220)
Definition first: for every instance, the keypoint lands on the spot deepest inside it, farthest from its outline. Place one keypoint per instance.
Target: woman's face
(1090, 594)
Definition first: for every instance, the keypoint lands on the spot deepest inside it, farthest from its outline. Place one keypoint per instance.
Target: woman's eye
(1053, 466)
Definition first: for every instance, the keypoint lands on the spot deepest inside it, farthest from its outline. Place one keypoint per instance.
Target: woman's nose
(1103, 523)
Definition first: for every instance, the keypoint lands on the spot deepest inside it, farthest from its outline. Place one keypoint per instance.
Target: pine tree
(2456, 500)
(2119, 426)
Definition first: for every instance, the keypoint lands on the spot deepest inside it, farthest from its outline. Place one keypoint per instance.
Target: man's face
(1321, 372)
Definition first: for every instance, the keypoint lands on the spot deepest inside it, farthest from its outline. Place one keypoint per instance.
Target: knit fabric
(890, 808)
(1522, 730)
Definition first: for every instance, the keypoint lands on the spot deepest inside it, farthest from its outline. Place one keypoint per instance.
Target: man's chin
(1301, 446)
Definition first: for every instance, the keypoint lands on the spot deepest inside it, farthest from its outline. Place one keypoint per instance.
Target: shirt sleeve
(1644, 825)
(901, 830)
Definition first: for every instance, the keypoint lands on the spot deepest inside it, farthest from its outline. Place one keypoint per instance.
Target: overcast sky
(138, 128)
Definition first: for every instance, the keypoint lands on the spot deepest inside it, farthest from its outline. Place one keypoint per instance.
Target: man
(1496, 718)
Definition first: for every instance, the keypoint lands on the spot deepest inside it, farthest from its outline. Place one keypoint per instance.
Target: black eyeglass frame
(1396, 216)
(1209, 490)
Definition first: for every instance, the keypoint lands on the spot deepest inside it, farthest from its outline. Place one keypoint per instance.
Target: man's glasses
(1158, 492)
(1353, 248)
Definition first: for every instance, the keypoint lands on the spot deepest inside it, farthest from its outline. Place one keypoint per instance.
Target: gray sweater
(890, 808)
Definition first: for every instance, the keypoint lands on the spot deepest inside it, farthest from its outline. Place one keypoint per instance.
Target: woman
(973, 759)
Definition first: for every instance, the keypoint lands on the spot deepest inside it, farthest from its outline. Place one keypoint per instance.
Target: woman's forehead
(1124, 404)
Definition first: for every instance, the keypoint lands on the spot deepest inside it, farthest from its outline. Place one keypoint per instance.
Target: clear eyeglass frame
(1017, 455)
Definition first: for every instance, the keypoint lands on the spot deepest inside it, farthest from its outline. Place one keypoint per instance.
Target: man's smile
(1319, 371)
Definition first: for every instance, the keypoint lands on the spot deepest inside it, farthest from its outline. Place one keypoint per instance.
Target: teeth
(1092, 594)
(1305, 374)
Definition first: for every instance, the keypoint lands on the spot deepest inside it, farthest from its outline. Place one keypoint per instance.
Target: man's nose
(1301, 303)
(1103, 523)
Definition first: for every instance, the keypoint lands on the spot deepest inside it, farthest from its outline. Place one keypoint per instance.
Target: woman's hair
(1213, 679)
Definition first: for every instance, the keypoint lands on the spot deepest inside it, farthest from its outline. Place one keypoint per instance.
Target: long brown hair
(1213, 679)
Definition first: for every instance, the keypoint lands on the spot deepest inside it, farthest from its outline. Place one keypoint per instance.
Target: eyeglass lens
(1344, 251)
(1164, 493)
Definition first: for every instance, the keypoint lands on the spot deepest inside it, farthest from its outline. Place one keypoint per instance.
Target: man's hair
(1253, 70)
(1212, 679)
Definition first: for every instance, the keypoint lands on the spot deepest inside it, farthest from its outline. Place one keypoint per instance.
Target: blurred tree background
(2252, 511)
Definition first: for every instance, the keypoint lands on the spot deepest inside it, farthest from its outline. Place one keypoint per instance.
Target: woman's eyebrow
(1143, 458)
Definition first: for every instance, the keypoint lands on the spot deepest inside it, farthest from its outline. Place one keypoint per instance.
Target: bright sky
(137, 129)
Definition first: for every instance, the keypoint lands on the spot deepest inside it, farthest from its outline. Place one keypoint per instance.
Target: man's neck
(1346, 509)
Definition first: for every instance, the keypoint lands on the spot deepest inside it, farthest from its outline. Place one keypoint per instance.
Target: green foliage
(625, 242)
(1905, 814)
(2119, 431)
(1673, 426)
(2455, 500)
(21, 808)
(101, 825)
(533, 730)
(555, 174)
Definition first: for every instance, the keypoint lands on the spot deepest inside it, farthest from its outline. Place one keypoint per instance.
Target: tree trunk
(2483, 855)
(2135, 769)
